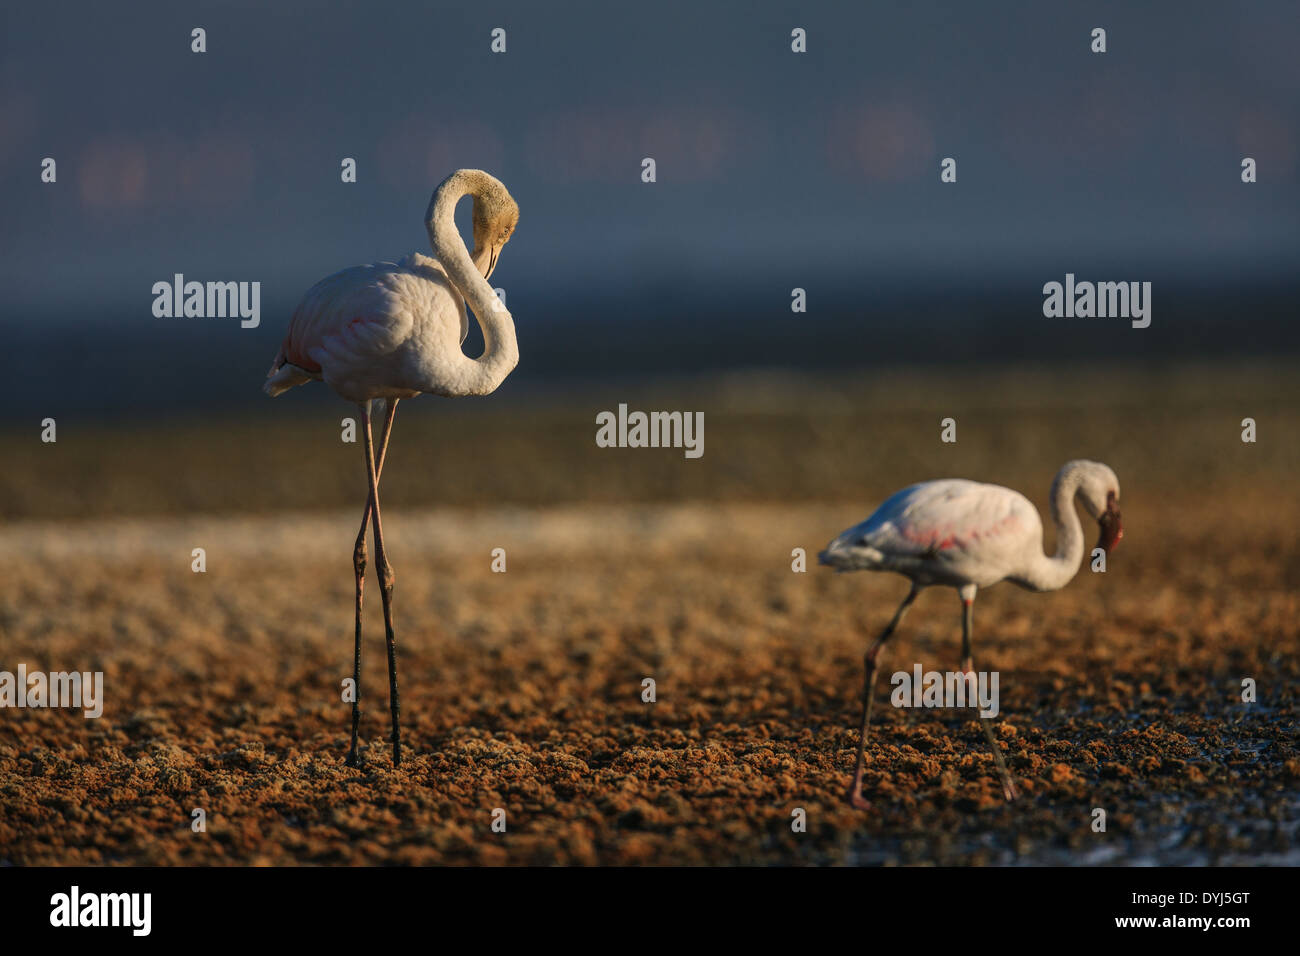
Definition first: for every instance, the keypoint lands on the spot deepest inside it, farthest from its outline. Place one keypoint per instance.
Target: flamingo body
(385, 330)
(392, 330)
(968, 535)
(952, 531)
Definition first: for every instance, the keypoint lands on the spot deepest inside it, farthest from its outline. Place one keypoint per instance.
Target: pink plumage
(968, 536)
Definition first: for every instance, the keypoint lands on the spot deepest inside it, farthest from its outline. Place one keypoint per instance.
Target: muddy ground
(523, 690)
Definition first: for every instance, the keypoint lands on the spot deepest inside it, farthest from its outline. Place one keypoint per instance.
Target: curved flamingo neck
(500, 351)
(1050, 573)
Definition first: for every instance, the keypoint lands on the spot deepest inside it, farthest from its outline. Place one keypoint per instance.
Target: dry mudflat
(523, 690)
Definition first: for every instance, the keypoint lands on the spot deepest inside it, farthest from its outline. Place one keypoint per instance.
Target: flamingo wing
(938, 516)
(351, 317)
(367, 330)
(947, 530)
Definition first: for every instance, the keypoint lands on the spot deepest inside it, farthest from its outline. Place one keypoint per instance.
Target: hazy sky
(771, 165)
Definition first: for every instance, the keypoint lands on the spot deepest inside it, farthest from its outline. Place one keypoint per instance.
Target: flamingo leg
(359, 566)
(1008, 785)
(385, 573)
(967, 661)
(868, 684)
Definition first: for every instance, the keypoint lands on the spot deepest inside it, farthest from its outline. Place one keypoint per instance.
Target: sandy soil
(522, 691)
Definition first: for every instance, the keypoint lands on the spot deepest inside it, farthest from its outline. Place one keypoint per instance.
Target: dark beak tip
(1111, 531)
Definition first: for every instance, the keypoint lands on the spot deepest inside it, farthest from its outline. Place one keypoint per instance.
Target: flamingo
(389, 331)
(969, 535)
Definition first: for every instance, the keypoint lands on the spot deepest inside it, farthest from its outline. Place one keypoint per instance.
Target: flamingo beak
(1111, 527)
(483, 258)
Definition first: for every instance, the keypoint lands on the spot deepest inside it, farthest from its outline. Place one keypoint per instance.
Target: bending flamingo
(390, 331)
(968, 535)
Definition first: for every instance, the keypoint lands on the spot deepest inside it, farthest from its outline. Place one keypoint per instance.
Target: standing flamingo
(390, 331)
(968, 536)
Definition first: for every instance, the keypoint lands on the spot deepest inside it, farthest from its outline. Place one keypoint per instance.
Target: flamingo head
(1099, 491)
(495, 216)
(1109, 521)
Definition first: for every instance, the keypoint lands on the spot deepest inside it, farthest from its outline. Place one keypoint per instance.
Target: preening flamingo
(392, 330)
(968, 536)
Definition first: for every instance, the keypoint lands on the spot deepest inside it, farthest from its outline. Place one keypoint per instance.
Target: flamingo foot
(353, 759)
(855, 797)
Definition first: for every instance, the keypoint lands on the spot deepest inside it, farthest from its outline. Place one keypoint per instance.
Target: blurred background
(775, 170)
